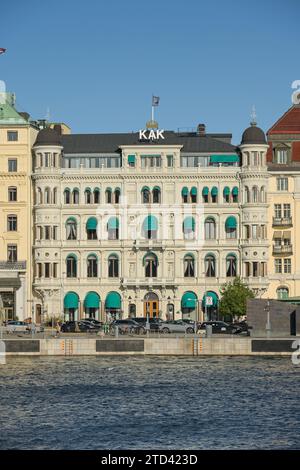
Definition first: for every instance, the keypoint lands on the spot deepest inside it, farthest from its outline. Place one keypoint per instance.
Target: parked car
(14, 326)
(33, 327)
(153, 322)
(93, 321)
(243, 325)
(78, 327)
(220, 327)
(176, 326)
(126, 326)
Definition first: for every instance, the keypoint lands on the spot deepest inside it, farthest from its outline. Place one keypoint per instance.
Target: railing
(283, 250)
(282, 221)
(13, 265)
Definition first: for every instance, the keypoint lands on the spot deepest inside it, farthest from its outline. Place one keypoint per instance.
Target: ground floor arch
(92, 305)
(210, 305)
(71, 306)
(189, 305)
(113, 306)
(151, 305)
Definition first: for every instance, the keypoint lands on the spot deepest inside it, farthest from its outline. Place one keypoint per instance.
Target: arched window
(117, 195)
(108, 196)
(146, 195)
(214, 194)
(113, 228)
(75, 196)
(231, 265)
(71, 266)
(156, 195)
(150, 227)
(189, 228)
(255, 197)
(247, 194)
(88, 196)
(210, 229)
(67, 196)
(91, 228)
(235, 194)
(92, 266)
(96, 196)
(71, 229)
(55, 196)
(226, 194)
(39, 196)
(193, 194)
(150, 262)
(282, 293)
(47, 198)
(113, 266)
(205, 193)
(189, 265)
(230, 227)
(185, 195)
(262, 194)
(210, 266)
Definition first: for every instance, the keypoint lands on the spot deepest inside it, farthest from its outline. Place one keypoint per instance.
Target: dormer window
(281, 156)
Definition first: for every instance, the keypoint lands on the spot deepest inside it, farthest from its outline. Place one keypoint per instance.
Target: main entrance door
(151, 305)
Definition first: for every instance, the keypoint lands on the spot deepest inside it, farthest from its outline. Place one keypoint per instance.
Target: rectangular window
(47, 270)
(287, 266)
(170, 161)
(12, 194)
(12, 255)
(12, 165)
(47, 232)
(282, 184)
(12, 136)
(54, 232)
(281, 156)
(12, 223)
(277, 210)
(39, 270)
(286, 210)
(54, 272)
(278, 266)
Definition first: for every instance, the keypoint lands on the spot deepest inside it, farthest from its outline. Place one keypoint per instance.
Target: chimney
(201, 129)
(57, 128)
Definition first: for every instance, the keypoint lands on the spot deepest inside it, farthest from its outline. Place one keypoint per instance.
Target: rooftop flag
(2, 50)
(155, 100)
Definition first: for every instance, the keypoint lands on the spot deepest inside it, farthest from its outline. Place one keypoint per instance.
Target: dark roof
(48, 137)
(109, 143)
(253, 135)
(282, 168)
(288, 123)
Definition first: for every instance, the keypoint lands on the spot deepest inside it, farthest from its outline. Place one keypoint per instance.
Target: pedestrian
(57, 328)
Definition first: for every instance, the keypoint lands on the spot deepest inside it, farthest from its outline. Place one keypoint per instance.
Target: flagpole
(152, 113)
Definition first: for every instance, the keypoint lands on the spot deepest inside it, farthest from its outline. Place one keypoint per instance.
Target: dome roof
(253, 135)
(48, 136)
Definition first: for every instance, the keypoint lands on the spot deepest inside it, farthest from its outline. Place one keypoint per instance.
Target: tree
(234, 296)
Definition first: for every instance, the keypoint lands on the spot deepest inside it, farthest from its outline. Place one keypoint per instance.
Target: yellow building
(16, 138)
(284, 206)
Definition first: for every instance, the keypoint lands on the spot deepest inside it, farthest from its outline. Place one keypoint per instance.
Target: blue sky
(95, 64)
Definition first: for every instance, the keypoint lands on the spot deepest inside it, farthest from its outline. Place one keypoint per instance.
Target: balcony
(13, 265)
(282, 222)
(283, 250)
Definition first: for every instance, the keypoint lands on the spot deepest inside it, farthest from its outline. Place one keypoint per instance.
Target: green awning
(226, 191)
(71, 219)
(91, 223)
(131, 159)
(150, 223)
(87, 190)
(157, 188)
(149, 254)
(230, 222)
(194, 191)
(71, 300)
(189, 224)
(189, 300)
(235, 191)
(92, 300)
(224, 158)
(210, 299)
(113, 300)
(113, 223)
(205, 191)
(184, 191)
(145, 188)
(214, 191)
(96, 189)
(108, 190)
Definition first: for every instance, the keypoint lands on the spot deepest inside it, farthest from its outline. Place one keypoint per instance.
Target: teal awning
(235, 191)
(230, 222)
(150, 254)
(189, 224)
(71, 300)
(184, 191)
(91, 223)
(92, 300)
(145, 188)
(205, 191)
(131, 159)
(96, 189)
(194, 191)
(226, 191)
(214, 191)
(210, 299)
(113, 223)
(224, 158)
(189, 300)
(150, 223)
(113, 300)
(71, 219)
(157, 188)
(87, 190)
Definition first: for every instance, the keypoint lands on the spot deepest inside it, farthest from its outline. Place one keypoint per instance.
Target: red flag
(2, 50)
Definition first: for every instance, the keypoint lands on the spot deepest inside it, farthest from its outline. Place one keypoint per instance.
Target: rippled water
(152, 402)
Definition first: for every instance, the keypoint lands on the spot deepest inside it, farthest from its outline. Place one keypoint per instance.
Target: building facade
(16, 138)
(284, 205)
(147, 223)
